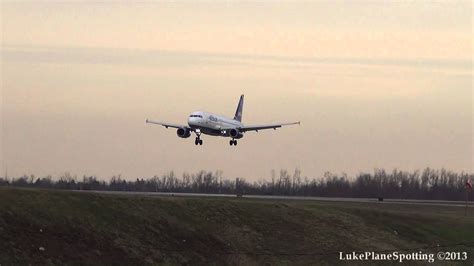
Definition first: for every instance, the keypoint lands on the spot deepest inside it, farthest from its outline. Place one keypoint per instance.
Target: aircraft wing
(167, 125)
(268, 126)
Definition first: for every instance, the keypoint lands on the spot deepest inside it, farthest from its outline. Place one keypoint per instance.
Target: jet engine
(183, 132)
(235, 133)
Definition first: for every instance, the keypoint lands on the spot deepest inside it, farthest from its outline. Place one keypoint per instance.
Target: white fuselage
(212, 124)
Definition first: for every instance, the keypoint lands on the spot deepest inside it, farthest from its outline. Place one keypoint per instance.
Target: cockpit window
(200, 116)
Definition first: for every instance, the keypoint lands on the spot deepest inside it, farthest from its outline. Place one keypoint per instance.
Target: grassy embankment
(63, 227)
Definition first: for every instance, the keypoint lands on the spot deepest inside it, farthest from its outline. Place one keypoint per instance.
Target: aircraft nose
(192, 121)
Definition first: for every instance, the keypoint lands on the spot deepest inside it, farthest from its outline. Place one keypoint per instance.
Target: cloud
(168, 58)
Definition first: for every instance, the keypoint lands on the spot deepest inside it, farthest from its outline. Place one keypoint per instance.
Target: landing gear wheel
(197, 141)
(231, 142)
(235, 142)
(200, 142)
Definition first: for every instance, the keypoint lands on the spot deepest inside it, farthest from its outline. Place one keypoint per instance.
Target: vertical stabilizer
(240, 108)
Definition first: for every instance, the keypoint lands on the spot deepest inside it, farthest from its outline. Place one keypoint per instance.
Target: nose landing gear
(198, 141)
(233, 142)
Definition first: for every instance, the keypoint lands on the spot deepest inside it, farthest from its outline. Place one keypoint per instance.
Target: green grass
(88, 228)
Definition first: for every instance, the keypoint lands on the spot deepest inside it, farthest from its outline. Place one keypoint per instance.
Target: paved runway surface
(443, 203)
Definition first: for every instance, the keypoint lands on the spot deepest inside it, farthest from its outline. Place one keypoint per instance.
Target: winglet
(146, 121)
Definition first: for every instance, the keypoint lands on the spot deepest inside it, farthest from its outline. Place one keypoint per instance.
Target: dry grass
(86, 228)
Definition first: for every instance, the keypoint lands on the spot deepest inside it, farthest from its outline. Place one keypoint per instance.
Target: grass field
(64, 227)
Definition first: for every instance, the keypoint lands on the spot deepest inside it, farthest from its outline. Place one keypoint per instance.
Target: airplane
(201, 122)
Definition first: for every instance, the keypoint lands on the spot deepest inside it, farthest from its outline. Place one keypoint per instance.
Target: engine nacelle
(183, 133)
(235, 133)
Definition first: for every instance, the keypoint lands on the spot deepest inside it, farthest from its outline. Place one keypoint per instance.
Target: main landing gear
(233, 142)
(198, 141)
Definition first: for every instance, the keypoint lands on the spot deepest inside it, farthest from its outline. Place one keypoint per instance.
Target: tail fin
(240, 109)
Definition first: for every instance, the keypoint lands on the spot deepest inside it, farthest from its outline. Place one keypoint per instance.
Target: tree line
(432, 184)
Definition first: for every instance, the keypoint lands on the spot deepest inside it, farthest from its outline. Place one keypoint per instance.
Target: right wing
(167, 125)
(268, 126)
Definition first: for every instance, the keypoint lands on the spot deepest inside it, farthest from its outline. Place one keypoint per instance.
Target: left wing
(167, 125)
(268, 126)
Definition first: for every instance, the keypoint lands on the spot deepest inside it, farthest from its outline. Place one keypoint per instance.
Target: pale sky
(375, 84)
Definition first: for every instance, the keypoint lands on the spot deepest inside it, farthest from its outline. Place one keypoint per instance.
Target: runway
(443, 203)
